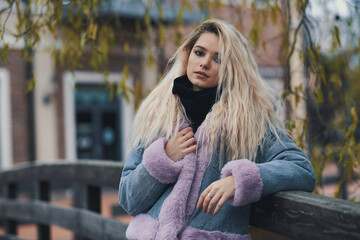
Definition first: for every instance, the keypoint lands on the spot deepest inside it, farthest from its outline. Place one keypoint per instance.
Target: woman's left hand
(219, 191)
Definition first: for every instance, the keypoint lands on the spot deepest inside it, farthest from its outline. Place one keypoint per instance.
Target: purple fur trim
(192, 233)
(158, 164)
(179, 205)
(248, 184)
(202, 161)
(172, 215)
(142, 227)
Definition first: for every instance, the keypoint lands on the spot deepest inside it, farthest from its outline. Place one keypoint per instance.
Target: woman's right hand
(180, 144)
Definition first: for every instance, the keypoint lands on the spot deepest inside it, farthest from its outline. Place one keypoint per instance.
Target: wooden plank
(95, 173)
(10, 237)
(302, 215)
(298, 215)
(80, 221)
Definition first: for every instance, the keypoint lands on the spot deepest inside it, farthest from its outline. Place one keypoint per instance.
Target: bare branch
(292, 52)
(7, 18)
(351, 4)
(301, 23)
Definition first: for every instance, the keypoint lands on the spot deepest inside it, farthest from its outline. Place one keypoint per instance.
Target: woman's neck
(196, 88)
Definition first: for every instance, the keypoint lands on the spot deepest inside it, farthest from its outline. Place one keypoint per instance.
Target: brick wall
(19, 107)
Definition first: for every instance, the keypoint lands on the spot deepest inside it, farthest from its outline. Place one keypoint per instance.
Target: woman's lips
(201, 75)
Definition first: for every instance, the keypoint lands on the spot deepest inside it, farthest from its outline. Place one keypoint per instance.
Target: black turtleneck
(197, 104)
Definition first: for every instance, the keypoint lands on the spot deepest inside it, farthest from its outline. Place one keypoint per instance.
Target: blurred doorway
(97, 117)
(96, 127)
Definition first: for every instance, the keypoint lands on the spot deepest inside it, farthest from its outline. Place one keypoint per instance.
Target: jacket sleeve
(145, 177)
(281, 166)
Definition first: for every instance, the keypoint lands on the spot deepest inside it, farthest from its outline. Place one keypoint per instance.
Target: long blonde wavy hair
(239, 119)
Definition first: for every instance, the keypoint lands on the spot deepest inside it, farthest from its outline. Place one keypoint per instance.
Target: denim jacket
(162, 194)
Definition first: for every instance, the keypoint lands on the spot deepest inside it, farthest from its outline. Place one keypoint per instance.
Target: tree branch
(292, 52)
(7, 18)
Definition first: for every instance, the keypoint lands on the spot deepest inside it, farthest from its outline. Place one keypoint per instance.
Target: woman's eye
(199, 53)
(217, 60)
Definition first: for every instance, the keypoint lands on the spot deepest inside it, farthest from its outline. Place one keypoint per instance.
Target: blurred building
(58, 121)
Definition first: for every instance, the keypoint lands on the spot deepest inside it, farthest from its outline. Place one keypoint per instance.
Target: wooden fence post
(88, 197)
(94, 199)
(42, 192)
(11, 193)
(79, 202)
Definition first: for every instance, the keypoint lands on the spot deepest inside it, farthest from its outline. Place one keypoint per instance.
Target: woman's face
(204, 62)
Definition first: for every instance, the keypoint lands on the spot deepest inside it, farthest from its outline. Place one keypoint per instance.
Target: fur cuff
(158, 164)
(248, 184)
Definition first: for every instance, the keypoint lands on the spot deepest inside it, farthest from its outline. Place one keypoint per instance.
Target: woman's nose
(205, 63)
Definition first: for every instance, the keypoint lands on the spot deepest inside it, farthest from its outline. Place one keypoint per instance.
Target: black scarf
(197, 104)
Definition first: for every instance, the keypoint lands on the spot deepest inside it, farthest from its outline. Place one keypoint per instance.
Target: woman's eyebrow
(201, 47)
(204, 49)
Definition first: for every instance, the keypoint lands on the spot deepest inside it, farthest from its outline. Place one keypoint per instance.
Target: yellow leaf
(53, 29)
(239, 27)
(274, 14)
(138, 30)
(341, 155)
(4, 52)
(147, 19)
(34, 41)
(337, 35)
(30, 84)
(354, 115)
(94, 31)
(298, 93)
(161, 34)
(127, 47)
(335, 43)
(151, 60)
(319, 97)
(125, 73)
(177, 37)
(218, 3)
(161, 11)
(264, 46)
(111, 87)
(200, 5)
(253, 5)
(83, 40)
(254, 33)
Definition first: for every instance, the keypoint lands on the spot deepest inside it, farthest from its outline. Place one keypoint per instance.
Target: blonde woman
(207, 144)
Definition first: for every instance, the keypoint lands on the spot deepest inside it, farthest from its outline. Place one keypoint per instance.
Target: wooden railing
(294, 214)
(86, 178)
